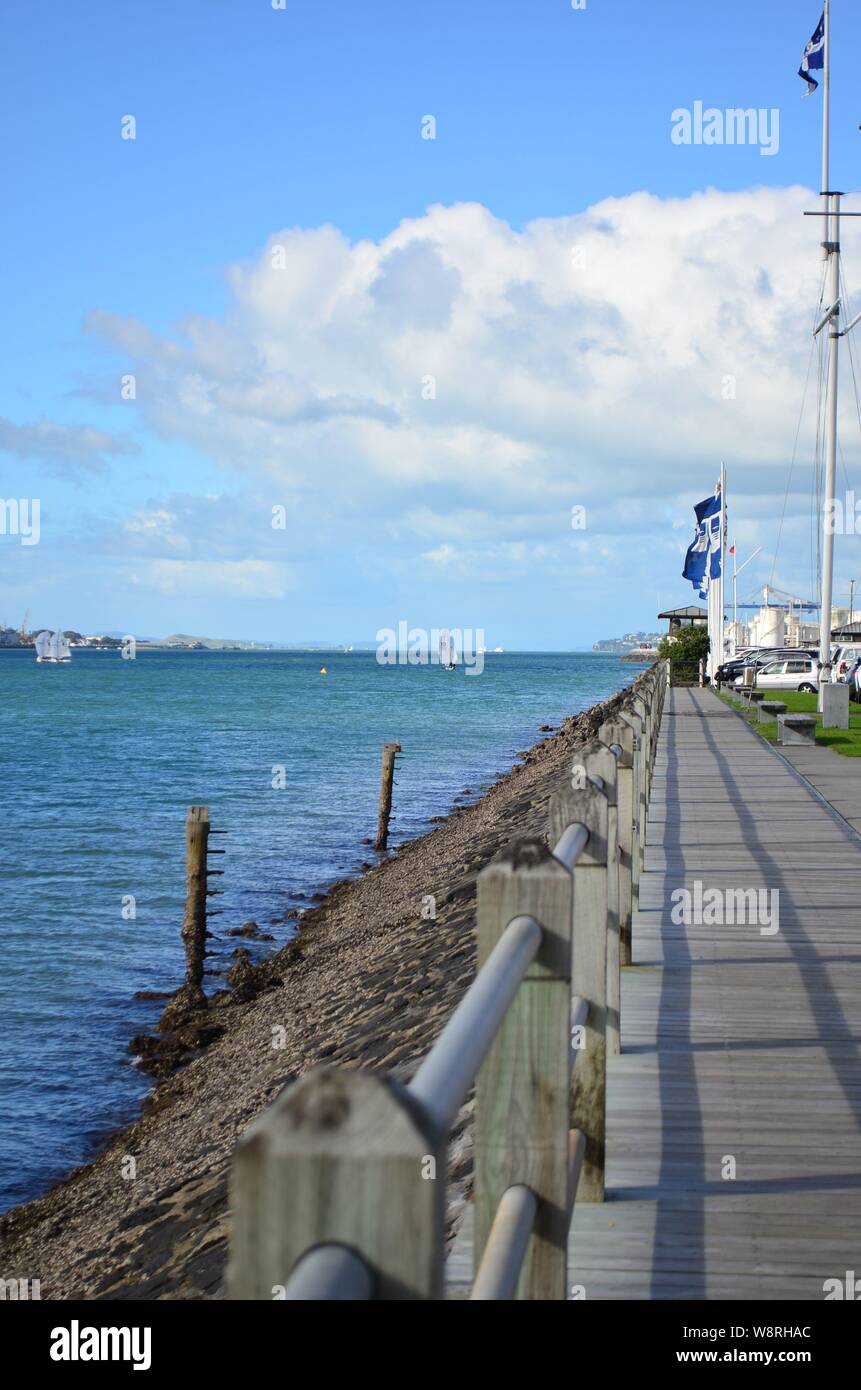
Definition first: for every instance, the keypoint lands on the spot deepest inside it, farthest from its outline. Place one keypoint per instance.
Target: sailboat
(53, 648)
(447, 652)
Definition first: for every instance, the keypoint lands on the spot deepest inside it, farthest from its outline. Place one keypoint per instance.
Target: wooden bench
(769, 710)
(796, 728)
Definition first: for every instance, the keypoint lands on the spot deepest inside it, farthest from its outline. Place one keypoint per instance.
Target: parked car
(799, 672)
(759, 659)
(842, 659)
(853, 679)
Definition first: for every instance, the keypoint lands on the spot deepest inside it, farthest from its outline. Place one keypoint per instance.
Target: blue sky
(259, 128)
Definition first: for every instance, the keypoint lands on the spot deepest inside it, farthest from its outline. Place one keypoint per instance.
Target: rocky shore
(369, 982)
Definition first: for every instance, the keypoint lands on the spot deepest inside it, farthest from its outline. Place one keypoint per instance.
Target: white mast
(831, 246)
(721, 654)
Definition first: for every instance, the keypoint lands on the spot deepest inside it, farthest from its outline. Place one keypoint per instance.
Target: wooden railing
(338, 1188)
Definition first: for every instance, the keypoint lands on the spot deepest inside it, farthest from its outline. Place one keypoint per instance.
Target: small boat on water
(53, 648)
(447, 652)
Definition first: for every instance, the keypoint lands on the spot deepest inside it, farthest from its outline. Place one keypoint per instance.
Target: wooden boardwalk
(739, 1048)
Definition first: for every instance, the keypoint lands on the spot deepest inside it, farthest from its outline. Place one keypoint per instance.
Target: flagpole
(722, 562)
(832, 251)
(826, 108)
(734, 597)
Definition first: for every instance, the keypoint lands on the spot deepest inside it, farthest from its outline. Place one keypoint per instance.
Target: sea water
(101, 759)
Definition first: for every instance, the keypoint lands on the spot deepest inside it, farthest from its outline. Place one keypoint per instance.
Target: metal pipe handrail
(330, 1272)
(504, 1252)
(506, 1246)
(570, 845)
(444, 1078)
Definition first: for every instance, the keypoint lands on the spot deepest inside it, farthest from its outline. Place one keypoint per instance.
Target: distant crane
(22, 631)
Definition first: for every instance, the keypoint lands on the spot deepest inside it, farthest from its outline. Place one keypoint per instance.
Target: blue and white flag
(814, 57)
(703, 560)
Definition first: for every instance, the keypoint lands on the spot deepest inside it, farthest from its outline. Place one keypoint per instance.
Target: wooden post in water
(390, 750)
(194, 922)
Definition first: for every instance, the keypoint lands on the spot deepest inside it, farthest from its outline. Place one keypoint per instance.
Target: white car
(795, 673)
(842, 659)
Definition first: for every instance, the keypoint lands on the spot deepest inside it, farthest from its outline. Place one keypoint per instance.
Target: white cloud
(581, 360)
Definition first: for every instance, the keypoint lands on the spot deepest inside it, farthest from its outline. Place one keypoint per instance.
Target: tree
(685, 650)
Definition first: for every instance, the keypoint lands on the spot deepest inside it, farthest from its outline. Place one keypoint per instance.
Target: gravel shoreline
(368, 982)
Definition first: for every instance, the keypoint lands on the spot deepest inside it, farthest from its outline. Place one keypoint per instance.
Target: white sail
(43, 645)
(64, 651)
(445, 650)
(54, 651)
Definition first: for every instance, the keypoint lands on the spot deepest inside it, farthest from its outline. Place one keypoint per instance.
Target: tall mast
(722, 563)
(831, 246)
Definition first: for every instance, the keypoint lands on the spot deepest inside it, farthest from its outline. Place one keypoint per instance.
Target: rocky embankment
(368, 982)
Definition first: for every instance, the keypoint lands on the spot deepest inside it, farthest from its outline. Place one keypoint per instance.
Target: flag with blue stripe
(814, 57)
(703, 560)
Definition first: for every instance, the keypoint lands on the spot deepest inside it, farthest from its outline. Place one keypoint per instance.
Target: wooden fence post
(636, 724)
(384, 810)
(600, 762)
(590, 808)
(522, 1088)
(640, 707)
(342, 1157)
(618, 732)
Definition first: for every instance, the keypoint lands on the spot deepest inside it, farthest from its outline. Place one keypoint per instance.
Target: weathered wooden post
(601, 764)
(641, 710)
(343, 1158)
(390, 751)
(620, 733)
(190, 996)
(589, 979)
(640, 706)
(194, 921)
(627, 715)
(522, 1090)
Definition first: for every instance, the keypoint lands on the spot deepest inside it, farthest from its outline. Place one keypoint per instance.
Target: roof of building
(846, 631)
(690, 612)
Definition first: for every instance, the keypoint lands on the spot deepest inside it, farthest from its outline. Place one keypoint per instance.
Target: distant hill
(631, 641)
(186, 642)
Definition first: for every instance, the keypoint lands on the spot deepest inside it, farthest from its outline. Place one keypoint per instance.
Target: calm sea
(101, 759)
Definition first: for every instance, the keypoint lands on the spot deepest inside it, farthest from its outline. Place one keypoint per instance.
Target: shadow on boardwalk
(738, 1047)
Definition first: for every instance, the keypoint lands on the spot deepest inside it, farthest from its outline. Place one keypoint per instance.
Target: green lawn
(845, 741)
